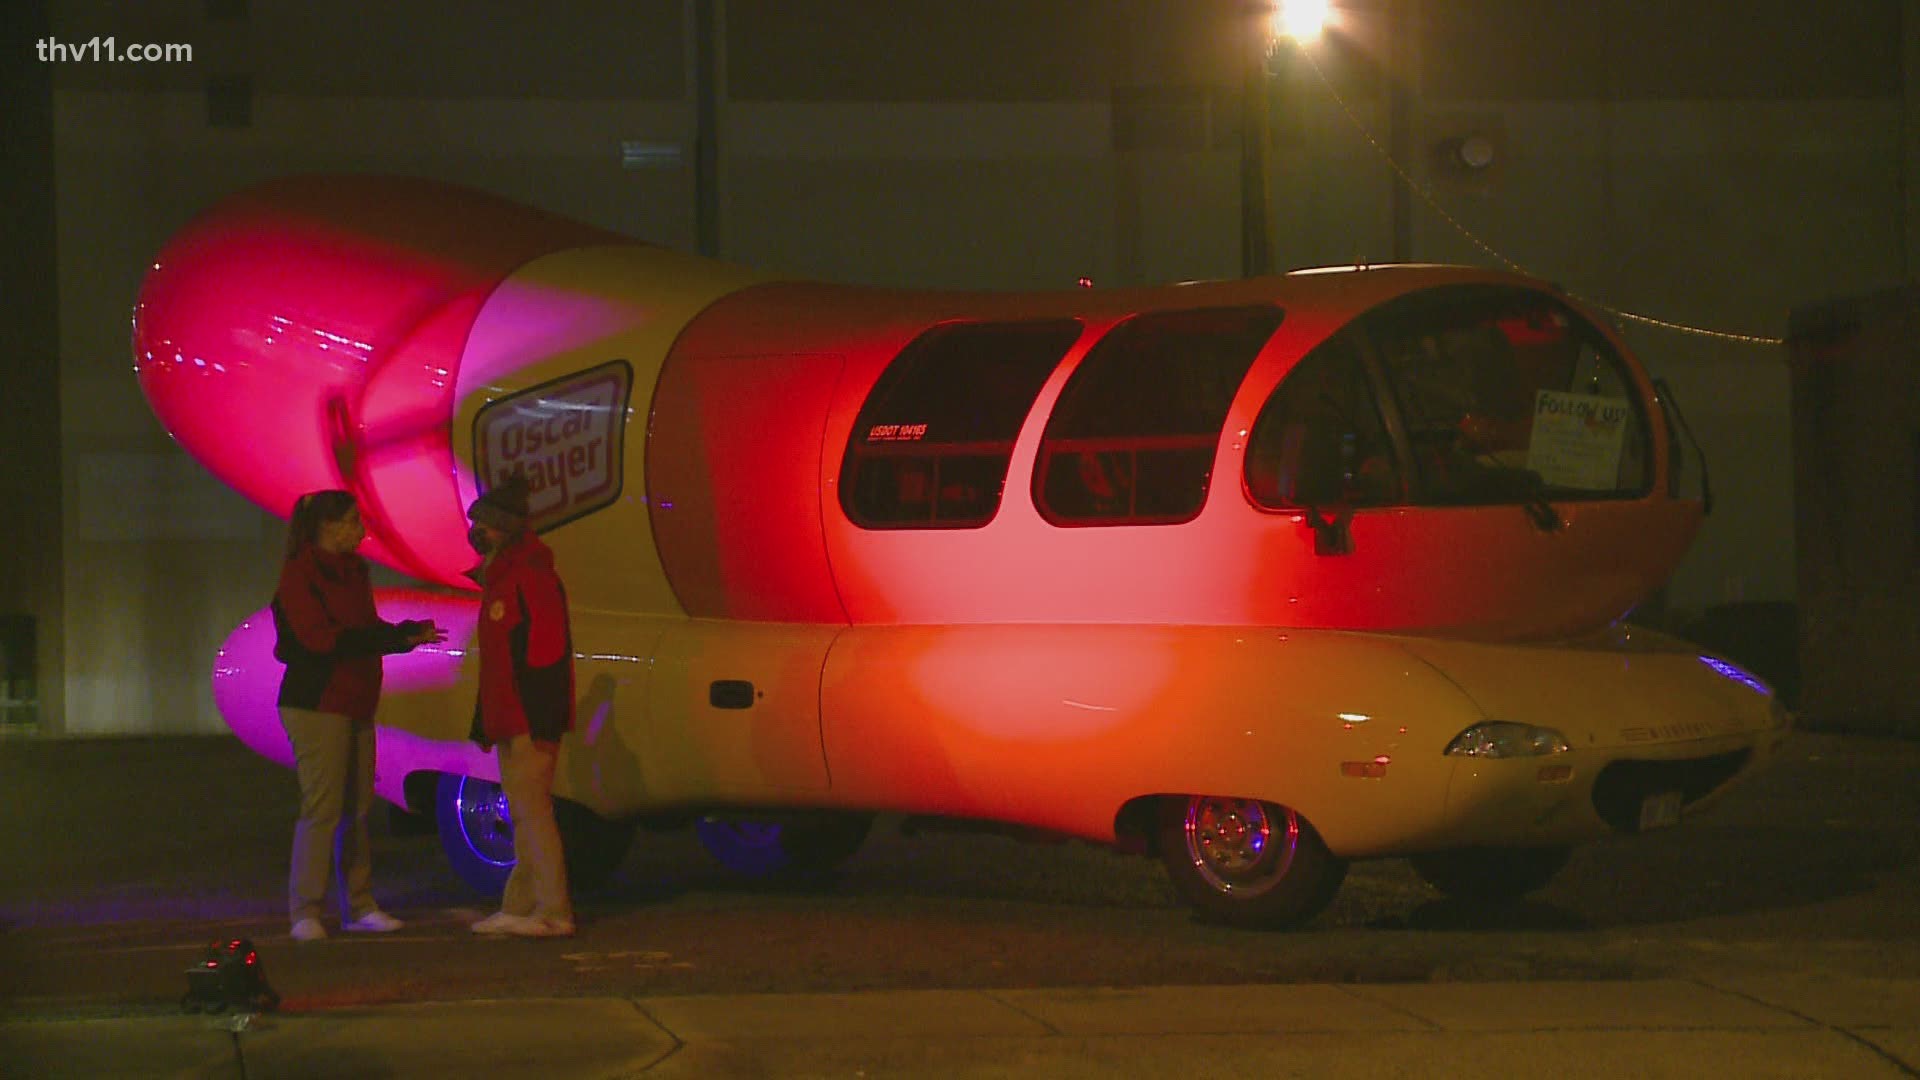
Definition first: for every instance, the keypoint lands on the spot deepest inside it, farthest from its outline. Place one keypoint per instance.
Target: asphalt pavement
(121, 847)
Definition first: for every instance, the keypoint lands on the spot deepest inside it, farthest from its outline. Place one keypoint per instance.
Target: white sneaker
(373, 922)
(308, 930)
(501, 923)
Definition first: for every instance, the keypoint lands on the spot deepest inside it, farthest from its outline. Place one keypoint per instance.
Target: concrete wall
(31, 609)
(1705, 161)
(1856, 434)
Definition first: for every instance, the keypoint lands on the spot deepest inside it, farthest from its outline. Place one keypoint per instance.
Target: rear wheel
(1491, 875)
(783, 845)
(1247, 863)
(476, 832)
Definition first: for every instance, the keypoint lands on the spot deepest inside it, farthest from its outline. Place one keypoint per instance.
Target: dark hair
(313, 510)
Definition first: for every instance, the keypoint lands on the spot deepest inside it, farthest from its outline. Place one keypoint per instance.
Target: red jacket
(526, 647)
(330, 636)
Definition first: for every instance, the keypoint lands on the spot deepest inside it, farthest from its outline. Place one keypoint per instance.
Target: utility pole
(1298, 22)
(1400, 70)
(703, 34)
(1256, 253)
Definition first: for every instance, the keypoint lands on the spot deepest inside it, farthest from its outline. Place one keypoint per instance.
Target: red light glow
(304, 335)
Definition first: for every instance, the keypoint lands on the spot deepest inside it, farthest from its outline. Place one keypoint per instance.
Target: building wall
(1711, 162)
(1856, 430)
(161, 560)
(1702, 161)
(30, 596)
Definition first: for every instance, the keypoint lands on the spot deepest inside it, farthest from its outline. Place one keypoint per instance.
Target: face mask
(477, 538)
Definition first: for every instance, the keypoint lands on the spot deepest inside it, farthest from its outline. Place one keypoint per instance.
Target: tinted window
(1508, 395)
(931, 445)
(1319, 441)
(1132, 439)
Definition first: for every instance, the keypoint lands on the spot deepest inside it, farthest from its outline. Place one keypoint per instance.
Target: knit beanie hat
(503, 506)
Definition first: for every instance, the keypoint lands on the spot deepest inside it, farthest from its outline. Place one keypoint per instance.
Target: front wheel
(1247, 863)
(783, 845)
(1491, 875)
(476, 832)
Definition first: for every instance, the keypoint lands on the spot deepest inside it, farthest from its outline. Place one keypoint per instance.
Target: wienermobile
(1259, 576)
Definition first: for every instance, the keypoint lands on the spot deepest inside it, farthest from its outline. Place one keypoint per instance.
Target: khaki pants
(334, 758)
(538, 884)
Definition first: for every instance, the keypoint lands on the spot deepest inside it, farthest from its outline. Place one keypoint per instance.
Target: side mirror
(1332, 533)
(1309, 477)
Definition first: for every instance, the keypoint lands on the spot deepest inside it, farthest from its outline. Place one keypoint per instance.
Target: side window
(1319, 440)
(1508, 395)
(1132, 439)
(931, 445)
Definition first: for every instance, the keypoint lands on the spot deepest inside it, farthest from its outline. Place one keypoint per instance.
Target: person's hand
(428, 633)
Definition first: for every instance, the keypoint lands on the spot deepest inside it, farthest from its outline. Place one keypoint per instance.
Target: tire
(1491, 875)
(784, 845)
(476, 832)
(1246, 863)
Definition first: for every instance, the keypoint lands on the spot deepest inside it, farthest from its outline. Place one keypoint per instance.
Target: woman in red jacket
(332, 639)
(525, 705)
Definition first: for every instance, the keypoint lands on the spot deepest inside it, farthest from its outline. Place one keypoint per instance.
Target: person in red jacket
(525, 704)
(331, 639)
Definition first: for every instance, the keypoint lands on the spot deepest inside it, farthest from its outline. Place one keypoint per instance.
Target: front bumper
(1586, 794)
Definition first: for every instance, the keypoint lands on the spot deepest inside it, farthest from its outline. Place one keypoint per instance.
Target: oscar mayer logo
(568, 436)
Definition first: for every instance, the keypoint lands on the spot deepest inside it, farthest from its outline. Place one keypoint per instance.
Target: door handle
(731, 694)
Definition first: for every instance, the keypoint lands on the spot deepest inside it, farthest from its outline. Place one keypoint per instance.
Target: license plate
(1660, 811)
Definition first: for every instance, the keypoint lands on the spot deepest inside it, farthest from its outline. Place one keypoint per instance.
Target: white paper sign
(1577, 439)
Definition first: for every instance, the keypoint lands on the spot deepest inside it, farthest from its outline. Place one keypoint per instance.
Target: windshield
(1498, 395)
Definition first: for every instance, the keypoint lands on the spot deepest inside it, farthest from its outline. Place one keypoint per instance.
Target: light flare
(1301, 21)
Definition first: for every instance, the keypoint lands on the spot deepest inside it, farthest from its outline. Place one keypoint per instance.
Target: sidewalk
(1809, 1026)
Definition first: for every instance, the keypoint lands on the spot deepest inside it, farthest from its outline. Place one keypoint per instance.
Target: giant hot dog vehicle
(1258, 576)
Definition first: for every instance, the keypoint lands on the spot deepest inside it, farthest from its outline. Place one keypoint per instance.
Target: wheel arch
(419, 789)
(1136, 824)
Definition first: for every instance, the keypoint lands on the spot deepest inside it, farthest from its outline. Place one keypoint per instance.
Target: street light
(1256, 259)
(1301, 20)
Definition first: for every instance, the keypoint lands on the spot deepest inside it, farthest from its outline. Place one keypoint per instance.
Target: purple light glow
(246, 682)
(1736, 674)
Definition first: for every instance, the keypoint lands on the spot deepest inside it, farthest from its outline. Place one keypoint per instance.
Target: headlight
(1500, 739)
